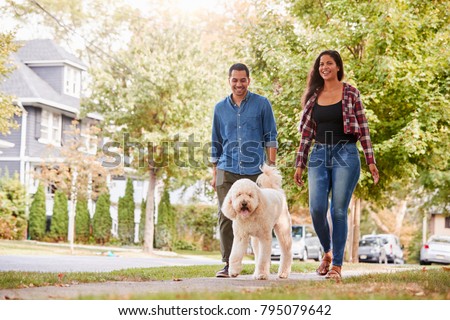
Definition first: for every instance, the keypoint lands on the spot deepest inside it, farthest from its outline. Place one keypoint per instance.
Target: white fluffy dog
(255, 212)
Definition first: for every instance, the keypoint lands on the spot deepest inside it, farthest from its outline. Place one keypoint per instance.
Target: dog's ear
(227, 207)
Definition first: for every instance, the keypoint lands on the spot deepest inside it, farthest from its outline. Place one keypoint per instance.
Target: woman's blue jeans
(333, 172)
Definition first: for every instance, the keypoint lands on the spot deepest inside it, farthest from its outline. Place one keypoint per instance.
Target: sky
(34, 31)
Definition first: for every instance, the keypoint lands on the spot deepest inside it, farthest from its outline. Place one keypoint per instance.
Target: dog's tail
(270, 178)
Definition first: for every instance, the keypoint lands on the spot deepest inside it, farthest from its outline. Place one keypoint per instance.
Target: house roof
(28, 87)
(46, 51)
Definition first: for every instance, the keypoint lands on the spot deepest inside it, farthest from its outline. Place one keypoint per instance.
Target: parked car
(392, 246)
(305, 244)
(437, 250)
(372, 250)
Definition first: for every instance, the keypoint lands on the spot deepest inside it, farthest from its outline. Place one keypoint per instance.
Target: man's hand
(213, 180)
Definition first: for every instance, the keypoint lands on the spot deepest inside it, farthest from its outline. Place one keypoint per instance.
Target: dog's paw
(283, 275)
(261, 276)
(234, 271)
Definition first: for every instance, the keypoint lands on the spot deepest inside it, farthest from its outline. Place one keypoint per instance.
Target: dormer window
(72, 81)
(51, 126)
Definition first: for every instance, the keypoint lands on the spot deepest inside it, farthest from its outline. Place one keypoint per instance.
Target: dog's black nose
(244, 203)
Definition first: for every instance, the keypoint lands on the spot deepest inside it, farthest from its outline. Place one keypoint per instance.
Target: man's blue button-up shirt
(241, 134)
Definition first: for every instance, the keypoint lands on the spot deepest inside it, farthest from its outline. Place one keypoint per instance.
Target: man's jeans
(332, 169)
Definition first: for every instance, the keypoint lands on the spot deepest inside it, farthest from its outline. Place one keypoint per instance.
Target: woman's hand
(374, 171)
(298, 177)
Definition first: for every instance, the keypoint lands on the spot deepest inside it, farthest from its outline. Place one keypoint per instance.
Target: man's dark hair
(239, 67)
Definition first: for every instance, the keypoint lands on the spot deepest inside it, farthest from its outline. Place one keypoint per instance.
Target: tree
(88, 165)
(37, 218)
(157, 95)
(82, 221)
(7, 108)
(392, 53)
(60, 217)
(165, 229)
(126, 214)
(102, 222)
(154, 87)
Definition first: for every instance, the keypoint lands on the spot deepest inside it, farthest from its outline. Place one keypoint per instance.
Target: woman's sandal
(324, 266)
(334, 274)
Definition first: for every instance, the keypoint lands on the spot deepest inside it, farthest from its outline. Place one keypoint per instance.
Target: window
(51, 124)
(72, 81)
(447, 222)
(88, 138)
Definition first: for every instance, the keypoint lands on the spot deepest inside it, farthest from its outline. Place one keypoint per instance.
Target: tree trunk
(149, 212)
(378, 221)
(400, 216)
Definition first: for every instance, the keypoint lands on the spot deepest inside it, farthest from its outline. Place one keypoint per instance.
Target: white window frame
(89, 141)
(51, 122)
(72, 81)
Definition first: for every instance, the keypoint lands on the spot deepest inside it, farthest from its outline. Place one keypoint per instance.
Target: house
(46, 84)
(439, 224)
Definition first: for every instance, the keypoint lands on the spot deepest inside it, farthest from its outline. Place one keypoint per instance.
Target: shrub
(126, 214)
(142, 220)
(196, 223)
(165, 228)
(102, 222)
(37, 218)
(60, 218)
(13, 223)
(82, 221)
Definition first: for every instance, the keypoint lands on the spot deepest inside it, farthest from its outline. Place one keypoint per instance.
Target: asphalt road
(105, 263)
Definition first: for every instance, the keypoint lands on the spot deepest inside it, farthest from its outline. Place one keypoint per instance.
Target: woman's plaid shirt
(355, 122)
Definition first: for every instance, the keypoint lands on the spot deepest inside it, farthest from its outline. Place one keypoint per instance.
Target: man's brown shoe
(223, 273)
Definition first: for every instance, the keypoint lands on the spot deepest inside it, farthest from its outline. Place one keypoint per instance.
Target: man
(243, 129)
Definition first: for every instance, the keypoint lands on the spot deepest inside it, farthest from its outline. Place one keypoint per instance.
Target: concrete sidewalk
(123, 290)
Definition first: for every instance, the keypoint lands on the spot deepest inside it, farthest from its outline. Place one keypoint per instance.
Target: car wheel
(424, 263)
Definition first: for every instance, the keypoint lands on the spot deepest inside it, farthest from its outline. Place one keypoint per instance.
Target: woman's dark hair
(239, 67)
(315, 81)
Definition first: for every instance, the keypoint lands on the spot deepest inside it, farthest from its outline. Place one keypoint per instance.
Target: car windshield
(368, 243)
(297, 231)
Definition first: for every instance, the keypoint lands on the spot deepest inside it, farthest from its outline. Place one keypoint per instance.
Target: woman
(333, 116)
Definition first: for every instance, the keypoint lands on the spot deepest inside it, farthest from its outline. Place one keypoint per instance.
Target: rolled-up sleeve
(269, 126)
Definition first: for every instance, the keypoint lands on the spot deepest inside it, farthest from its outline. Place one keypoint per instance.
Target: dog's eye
(250, 195)
(239, 194)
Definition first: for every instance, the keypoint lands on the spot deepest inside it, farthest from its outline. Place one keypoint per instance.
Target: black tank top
(330, 124)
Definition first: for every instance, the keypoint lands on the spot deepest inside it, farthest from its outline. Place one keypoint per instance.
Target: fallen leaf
(177, 279)
(424, 269)
(446, 268)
